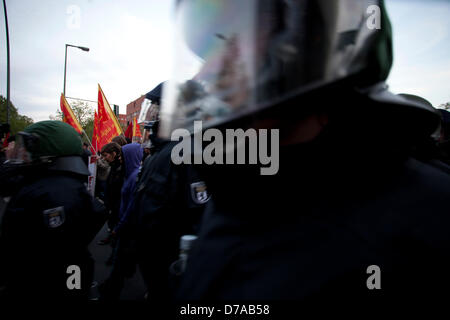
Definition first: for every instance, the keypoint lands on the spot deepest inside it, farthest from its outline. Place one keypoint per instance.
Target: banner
(69, 116)
(136, 129)
(92, 167)
(108, 127)
(129, 131)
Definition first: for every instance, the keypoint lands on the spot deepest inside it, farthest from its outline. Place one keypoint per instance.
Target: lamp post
(65, 63)
(7, 62)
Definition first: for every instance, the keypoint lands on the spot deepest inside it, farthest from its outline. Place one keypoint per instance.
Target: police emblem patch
(199, 192)
(55, 217)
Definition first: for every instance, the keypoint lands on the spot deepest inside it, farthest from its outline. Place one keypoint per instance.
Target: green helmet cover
(56, 139)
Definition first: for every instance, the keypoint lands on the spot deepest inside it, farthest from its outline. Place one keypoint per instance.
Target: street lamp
(65, 63)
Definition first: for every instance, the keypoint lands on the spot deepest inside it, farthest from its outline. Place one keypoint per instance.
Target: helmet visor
(22, 147)
(235, 57)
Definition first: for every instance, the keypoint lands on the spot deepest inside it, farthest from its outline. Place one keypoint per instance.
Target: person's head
(147, 147)
(151, 105)
(150, 113)
(273, 54)
(85, 146)
(111, 151)
(46, 140)
(120, 140)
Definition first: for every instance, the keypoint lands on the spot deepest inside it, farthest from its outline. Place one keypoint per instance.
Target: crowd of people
(363, 180)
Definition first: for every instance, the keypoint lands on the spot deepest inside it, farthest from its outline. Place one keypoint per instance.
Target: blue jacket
(132, 155)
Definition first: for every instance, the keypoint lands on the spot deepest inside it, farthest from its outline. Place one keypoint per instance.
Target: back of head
(132, 157)
(120, 140)
(273, 53)
(112, 147)
(284, 59)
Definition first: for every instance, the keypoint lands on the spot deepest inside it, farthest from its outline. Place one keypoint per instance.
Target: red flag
(69, 117)
(136, 129)
(129, 131)
(108, 127)
(5, 142)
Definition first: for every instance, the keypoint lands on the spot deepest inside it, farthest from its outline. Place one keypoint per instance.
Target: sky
(131, 52)
(421, 31)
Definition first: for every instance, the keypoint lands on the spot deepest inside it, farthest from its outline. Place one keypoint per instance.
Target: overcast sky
(130, 50)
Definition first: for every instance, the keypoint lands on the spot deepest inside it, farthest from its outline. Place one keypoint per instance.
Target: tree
(84, 114)
(17, 122)
(445, 106)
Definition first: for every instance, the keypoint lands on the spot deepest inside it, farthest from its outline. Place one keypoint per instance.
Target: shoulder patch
(199, 192)
(54, 218)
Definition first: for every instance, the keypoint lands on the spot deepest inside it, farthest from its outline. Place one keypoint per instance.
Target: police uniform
(169, 203)
(49, 223)
(348, 197)
(338, 205)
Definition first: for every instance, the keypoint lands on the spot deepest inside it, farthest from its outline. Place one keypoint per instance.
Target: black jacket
(47, 227)
(165, 209)
(338, 205)
(114, 188)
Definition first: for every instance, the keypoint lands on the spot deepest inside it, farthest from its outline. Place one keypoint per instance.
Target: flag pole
(90, 142)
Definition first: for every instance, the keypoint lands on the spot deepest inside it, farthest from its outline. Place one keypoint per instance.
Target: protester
(124, 263)
(112, 153)
(103, 169)
(120, 140)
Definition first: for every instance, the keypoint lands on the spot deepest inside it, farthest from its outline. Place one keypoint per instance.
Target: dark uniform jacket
(337, 206)
(168, 206)
(46, 228)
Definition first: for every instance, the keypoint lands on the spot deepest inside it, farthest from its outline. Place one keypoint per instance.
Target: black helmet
(150, 105)
(254, 54)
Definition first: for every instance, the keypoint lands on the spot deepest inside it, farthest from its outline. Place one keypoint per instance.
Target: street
(134, 288)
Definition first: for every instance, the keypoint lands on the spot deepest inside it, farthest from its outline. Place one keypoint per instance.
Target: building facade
(123, 120)
(134, 108)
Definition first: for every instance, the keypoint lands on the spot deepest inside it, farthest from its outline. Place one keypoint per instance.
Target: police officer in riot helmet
(150, 116)
(347, 194)
(166, 208)
(50, 219)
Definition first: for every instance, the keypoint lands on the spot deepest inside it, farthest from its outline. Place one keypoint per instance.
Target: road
(134, 288)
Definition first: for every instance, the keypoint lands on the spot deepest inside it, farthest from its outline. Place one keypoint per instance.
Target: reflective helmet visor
(234, 57)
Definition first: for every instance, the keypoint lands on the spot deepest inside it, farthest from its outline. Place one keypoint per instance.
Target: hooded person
(50, 219)
(132, 156)
(124, 262)
(341, 205)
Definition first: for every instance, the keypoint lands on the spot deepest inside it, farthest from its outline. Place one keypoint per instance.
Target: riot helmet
(234, 58)
(53, 143)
